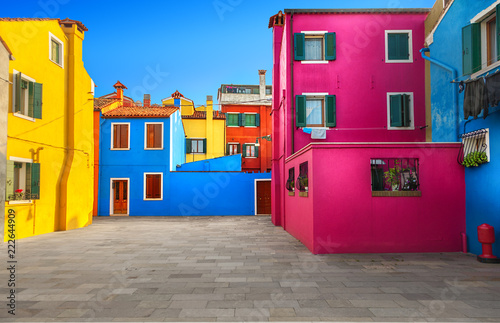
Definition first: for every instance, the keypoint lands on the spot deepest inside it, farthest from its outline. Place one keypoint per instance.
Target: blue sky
(158, 47)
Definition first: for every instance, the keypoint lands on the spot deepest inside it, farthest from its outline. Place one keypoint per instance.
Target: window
(154, 135)
(269, 91)
(250, 151)
(302, 182)
(27, 96)
(395, 174)
(316, 110)
(233, 148)
(153, 186)
(250, 120)
(232, 119)
(400, 111)
(56, 50)
(475, 149)
(196, 146)
(491, 41)
(23, 180)
(290, 182)
(120, 139)
(315, 46)
(398, 46)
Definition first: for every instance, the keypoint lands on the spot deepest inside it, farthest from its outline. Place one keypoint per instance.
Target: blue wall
(482, 183)
(178, 140)
(220, 164)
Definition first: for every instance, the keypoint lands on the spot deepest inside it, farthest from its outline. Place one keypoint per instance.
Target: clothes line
(490, 73)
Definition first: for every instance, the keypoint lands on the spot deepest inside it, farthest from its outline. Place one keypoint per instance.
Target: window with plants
(475, 149)
(302, 183)
(395, 174)
(290, 182)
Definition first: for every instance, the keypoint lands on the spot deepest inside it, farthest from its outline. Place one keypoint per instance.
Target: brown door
(263, 197)
(120, 198)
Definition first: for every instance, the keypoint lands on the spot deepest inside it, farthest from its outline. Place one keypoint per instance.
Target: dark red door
(120, 198)
(263, 197)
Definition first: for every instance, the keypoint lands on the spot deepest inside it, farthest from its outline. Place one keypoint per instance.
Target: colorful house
(463, 46)
(49, 145)
(351, 170)
(248, 122)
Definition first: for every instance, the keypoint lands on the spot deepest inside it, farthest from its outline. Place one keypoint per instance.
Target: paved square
(234, 269)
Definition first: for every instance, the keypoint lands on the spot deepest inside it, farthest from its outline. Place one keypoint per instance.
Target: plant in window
(475, 159)
(411, 183)
(393, 175)
(18, 194)
(290, 185)
(302, 183)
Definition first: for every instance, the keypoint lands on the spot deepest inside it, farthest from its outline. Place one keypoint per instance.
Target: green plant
(393, 175)
(475, 159)
(304, 181)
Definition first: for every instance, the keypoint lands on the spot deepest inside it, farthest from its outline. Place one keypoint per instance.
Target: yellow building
(49, 184)
(204, 127)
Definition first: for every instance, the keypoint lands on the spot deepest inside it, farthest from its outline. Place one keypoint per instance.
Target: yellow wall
(63, 136)
(187, 107)
(211, 129)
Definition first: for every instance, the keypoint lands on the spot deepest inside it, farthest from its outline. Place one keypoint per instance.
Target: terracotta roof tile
(64, 21)
(80, 25)
(140, 112)
(203, 115)
(102, 103)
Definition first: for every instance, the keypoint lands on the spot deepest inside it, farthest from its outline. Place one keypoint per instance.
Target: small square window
(250, 120)
(315, 111)
(250, 151)
(232, 119)
(400, 111)
(233, 148)
(153, 186)
(154, 136)
(314, 48)
(27, 96)
(23, 181)
(56, 50)
(196, 146)
(398, 46)
(120, 138)
(395, 174)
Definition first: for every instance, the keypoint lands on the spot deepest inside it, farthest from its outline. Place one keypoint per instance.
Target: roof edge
(361, 10)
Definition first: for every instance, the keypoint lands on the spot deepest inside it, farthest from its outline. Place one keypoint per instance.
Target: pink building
(351, 169)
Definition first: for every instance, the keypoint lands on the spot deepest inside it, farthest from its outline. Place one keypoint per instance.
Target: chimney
(119, 90)
(262, 84)
(147, 100)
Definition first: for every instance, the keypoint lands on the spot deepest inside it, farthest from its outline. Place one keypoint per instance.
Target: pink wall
(347, 219)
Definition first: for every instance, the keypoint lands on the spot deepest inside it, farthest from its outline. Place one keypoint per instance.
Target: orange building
(248, 122)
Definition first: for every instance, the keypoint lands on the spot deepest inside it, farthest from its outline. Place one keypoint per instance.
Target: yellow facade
(209, 128)
(187, 106)
(61, 141)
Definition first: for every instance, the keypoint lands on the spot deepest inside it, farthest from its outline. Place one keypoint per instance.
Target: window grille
(474, 148)
(395, 174)
(302, 182)
(290, 183)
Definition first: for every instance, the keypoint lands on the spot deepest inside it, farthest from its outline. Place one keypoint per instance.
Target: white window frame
(191, 152)
(245, 115)
(322, 96)
(61, 50)
(25, 161)
(315, 33)
(161, 186)
(410, 46)
(486, 141)
(482, 18)
(412, 113)
(233, 143)
(237, 113)
(250, 144)
(146, 134)
(14, 87)
(112, 197)
(113, 135)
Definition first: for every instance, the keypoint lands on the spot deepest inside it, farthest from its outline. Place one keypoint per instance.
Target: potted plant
(290, 185)
(475, 159)
(393, 175)
(304, 183)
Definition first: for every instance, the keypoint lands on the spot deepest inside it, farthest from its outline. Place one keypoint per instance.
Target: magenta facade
(339, 213)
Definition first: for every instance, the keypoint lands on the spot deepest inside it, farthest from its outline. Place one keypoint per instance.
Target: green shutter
(238, 150)
(331, 110)
(204, 146)
(243, 119)
(227, 119)
(244, 150)
(299, 46)
(227, 149)
(257, 151)
(396, 117)
(17, 104)
(240, 119)
(31, 98)
(300, 110)
(37, 101)
(405, 102)
(257, 120)
(35, 181)
(188, 146)
(471, 48)
(330, 46)
(9, 188)
(397, 44)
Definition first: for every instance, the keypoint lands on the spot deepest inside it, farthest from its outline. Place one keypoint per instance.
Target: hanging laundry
(493, 91)
(475, 98)
(318, 133)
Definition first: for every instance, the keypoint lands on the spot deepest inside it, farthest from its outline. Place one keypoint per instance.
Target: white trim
(314, 62)
(20, 202)
(311, 32)
(430, 38)
(21, 160)
(255, 192)
(113, 135)
(112, 196)
(171, 140)
(485, 13)
(410, 46)
(315, 94)
(161, 186)
(61, 50)
(146, 139)
(412, 113)
(22, 116)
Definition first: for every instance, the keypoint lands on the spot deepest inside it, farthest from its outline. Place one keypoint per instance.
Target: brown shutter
(149, 186)
(124, 136)
(157, 135)
(116, 134)
(150, 136)
(156, 186)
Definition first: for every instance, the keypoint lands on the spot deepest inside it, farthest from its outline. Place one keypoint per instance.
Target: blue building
(464, 48)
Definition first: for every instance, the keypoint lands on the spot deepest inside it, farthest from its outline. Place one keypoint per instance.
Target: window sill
(161, 199)
(20, 202)
(388, 61)
(250, 126)
(314, 62)
(60, 65)
(397, 193)
(485, 70)
(400, 128)
(292, 193)
(153, 148)
(250, 157)
(303, 194)
(233, 126)
(25, 117)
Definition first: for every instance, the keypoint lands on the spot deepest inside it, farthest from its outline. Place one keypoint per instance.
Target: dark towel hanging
(493, 91)
(475, 98)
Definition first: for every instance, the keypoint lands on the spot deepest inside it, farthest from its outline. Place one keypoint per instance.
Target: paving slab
(208, 269)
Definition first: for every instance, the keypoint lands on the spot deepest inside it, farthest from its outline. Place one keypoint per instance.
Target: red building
(248, 122)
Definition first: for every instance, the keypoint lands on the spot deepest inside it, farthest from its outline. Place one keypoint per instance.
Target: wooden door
(263, 197)
(120, 197)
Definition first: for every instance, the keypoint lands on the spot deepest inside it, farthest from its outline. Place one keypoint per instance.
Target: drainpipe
(291, 87)
(454, 73)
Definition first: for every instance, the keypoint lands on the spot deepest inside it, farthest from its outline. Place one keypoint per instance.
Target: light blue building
(464, 46)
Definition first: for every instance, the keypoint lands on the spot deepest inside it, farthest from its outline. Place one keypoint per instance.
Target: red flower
(19, 191)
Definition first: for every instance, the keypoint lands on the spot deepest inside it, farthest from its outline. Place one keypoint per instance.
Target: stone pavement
(234, 269)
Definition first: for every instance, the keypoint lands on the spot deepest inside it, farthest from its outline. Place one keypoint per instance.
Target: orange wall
(249, 135)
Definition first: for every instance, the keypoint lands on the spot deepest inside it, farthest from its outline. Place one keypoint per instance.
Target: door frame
(255, 192)
(112, 196)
